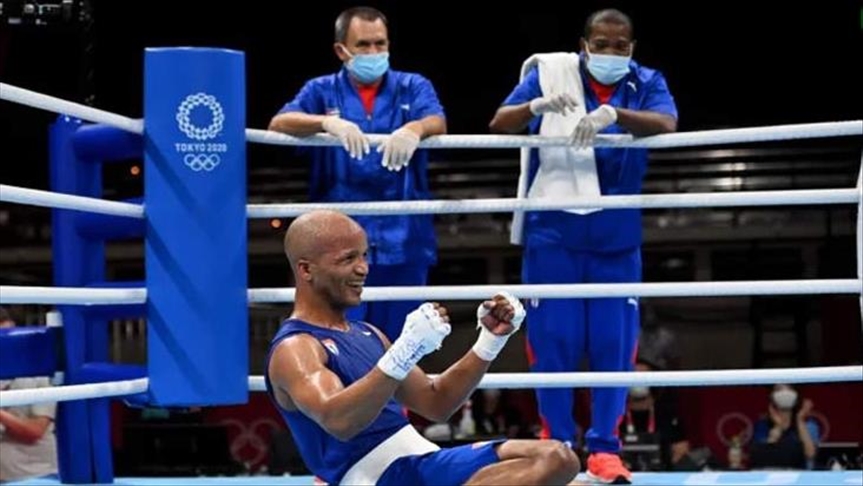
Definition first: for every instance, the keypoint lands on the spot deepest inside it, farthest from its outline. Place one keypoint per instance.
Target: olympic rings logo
(185, 123)
(199, 162)
(823, 424)
(250, 438)
(743, 430)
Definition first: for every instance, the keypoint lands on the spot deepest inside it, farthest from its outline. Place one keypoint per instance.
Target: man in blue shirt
(340, 384)
(599, 90)
(366, 96)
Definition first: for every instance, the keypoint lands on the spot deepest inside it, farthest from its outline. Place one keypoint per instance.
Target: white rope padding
(506, 205)
(60, 106)
(13, 294)
(20, 195)
(560, 291)
(48, 199)
(675, 378)
(14, 398)
(686, 139)
(22, 96)
(834, 374)
(607, 379)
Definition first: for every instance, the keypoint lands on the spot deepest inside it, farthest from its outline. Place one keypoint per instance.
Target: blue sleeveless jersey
(350, 355)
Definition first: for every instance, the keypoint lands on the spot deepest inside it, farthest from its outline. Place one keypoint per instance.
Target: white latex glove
(353, 139)
(423, 332)
(398, 148)
(488, 345)
(557, 103)
(591, 124)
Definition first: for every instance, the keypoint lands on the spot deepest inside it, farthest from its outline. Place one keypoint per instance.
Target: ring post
(83, 427)
(78, 261)
(195, 243)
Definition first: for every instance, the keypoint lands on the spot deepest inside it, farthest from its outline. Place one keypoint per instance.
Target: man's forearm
(454, 386)
(356, 407)
(297, 124)
(25, 430)
(645, 123)
(511, 119)
(428, 126)
(809, 448)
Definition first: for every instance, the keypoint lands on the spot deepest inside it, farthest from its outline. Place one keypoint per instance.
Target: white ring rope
(709, 137)
(832, 374)
(685, 139)
(48, 199)
(506, 205)
(607, 379)
(588, 291)
(63, 107)
(21, 195)
(10, 294)
(14, 398)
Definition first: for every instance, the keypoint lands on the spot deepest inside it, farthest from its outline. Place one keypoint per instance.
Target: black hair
(343, 21)
(610, 16)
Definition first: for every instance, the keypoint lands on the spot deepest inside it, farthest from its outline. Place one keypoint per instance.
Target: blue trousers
(389, 316)
(561, 331)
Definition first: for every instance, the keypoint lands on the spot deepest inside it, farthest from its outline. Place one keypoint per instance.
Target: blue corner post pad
(28, 351)
(195, 239)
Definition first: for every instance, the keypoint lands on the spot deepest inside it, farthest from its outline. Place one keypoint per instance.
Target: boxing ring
(193, 219)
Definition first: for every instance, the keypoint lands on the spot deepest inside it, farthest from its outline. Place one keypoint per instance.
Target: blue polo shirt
(620, 170)
(335, 177)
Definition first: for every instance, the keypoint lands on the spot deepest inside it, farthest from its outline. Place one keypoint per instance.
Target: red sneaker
(607, 468)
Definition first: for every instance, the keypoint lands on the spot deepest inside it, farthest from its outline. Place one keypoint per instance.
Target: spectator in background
(786, 437)
(651, 418)
(28, 447)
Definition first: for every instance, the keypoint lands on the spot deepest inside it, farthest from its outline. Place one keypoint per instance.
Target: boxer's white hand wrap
(489, 345)
(423, 332)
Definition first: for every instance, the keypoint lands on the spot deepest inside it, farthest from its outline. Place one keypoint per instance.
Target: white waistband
(406, 442)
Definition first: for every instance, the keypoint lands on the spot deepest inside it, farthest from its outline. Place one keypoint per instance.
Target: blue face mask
(607, 69)
(368, 68)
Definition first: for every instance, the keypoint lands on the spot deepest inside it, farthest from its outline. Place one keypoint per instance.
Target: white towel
(564, 172)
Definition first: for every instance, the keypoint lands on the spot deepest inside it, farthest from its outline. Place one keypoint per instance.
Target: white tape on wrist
(488, 345)
(402, 356)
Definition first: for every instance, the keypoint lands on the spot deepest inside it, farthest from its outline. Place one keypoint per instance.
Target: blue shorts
(450, 466)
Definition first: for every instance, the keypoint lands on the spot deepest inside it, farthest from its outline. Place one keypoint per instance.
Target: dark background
(729, 64)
